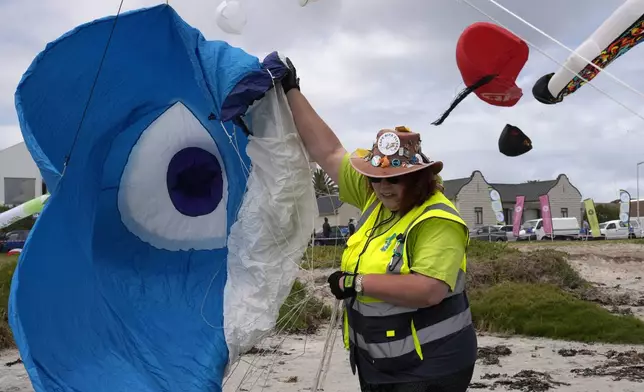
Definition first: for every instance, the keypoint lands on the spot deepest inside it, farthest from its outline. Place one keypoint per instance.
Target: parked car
(563, 228)
(508, 232)
(527, 232)
(616, 229)
(338, 237)
(13, 240)
(637, 228)
(489, 233)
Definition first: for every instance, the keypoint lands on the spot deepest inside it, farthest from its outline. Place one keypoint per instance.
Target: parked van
(616, 229)
(563, 228)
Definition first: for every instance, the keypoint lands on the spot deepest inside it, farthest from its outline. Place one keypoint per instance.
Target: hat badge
(388, 143)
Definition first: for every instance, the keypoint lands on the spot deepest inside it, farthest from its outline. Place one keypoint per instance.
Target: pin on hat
(513, 142)
(395, 152)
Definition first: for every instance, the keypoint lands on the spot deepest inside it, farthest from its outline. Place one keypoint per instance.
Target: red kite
(490, 59)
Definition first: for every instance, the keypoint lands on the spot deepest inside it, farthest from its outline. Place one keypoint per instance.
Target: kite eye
(173, 193)
(194, 181)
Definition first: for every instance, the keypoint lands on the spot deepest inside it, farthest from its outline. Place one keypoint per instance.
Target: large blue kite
(180, 200)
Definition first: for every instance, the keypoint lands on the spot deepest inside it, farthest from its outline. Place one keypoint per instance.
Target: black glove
(349, 284)
(290, 80)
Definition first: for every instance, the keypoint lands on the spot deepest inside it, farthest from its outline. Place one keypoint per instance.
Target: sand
(618, 269)
(505, 363)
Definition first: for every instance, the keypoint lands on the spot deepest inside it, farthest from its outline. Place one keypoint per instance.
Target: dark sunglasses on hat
(391, 180)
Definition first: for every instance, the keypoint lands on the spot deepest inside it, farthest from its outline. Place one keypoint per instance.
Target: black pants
(457, 382)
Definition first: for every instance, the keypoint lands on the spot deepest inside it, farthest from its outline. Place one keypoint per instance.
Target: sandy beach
(290, 363)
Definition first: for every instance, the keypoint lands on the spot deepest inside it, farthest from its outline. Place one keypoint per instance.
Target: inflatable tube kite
(622, 31)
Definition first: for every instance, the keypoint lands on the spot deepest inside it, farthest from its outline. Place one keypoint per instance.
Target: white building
(471, 197)
(20, 179)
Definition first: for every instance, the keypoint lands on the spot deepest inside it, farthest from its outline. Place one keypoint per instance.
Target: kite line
(603, 70)
(91, 91)
(632, 111)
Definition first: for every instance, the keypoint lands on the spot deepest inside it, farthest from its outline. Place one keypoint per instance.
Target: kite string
(598, 68)
(275, 239)
(91, 91)
(632, 111)
(332, 330)
(328, 347)
(297, 214)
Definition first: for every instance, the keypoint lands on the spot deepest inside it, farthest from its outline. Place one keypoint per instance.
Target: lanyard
(370, 237)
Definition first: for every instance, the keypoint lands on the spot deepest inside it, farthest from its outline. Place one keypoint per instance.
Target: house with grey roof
(472, 198)
(337, 211)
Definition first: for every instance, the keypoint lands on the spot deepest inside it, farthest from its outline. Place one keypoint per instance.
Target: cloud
(10, 136)
(378, 64)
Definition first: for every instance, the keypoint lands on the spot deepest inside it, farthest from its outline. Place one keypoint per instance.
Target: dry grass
(301, 312)
(490, 264)
(322, 257)
(7, 266)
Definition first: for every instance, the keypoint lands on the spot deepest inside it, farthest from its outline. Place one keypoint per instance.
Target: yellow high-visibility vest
(393, 337)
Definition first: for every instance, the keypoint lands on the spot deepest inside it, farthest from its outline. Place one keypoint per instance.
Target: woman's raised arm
(319, 140)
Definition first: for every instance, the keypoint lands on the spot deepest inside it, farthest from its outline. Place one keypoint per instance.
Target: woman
(402, 277)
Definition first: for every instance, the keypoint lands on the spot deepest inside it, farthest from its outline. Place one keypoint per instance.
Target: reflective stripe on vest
(407, 345)
(381, 309)
(365, 214)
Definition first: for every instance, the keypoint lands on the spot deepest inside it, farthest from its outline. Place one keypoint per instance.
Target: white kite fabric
(273, 228)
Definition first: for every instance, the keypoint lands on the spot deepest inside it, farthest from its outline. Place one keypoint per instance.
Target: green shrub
(301, 312)
(546, 311)
(7, 266)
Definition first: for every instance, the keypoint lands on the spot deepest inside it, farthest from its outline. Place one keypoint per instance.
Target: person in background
(585, 229)
(352, 227)
(326, 228)
(407, 320)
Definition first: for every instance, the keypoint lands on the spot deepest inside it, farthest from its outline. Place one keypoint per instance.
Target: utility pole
(639, 222)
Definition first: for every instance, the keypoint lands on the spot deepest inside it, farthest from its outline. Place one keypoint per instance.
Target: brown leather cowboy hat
(395, 152)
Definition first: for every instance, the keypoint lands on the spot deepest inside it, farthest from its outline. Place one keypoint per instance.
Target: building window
(479, 215)
(564, 213)
(19, 190)
(507, 213)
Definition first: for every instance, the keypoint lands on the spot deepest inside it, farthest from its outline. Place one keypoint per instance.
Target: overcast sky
(372, 64)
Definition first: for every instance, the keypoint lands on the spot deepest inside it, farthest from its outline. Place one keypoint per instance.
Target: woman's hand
(410, 290)
(337, 284)
(290, 80)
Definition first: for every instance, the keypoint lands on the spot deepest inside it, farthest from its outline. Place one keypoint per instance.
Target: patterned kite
(622, 31)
